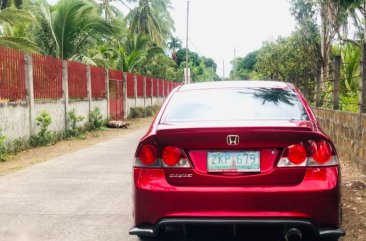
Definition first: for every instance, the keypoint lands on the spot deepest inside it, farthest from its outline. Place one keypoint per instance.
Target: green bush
(96, 120)
(140, 112)
(136, 112)
(18, 145)
(44, 136)
(75, 128)
(3, 152)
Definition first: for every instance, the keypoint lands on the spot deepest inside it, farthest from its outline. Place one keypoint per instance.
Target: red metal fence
(148, 86)
(47, 77)
(130, 85)
(116, 99)
(47, 81)
(12, 75)
(115, 74)
(155, 87)
(161, 88)
(77, 82)
(116, 94)
(140, 86)
(97, 82)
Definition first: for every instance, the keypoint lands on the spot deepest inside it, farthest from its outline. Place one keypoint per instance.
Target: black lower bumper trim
(320, 232)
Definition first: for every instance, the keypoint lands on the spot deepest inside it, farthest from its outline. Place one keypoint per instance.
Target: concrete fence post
(65, 89)
(144, 83)
(362, 107)
(157, 90)
(336, 78)
(126, 111)
(306, 83)
(135, 88)
(89, 89)
(317, 83)
(28, 67)
(362, 104)
(152, 91)
(107, 91)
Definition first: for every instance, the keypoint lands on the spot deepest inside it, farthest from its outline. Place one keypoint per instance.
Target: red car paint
(302, 192)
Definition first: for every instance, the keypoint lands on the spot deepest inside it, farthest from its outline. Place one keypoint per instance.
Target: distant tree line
(340, 31)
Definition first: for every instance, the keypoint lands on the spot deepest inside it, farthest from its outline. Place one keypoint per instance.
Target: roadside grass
(29, 156)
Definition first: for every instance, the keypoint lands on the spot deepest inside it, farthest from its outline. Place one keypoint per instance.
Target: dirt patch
(354, 203)
(33, 156)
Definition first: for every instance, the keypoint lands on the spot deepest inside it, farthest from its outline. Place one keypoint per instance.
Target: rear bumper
(316, 199)
(318, 232)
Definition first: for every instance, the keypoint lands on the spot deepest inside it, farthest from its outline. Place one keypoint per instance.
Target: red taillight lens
(148, 154)
(296, 154)
(322, 152)
(171, 155)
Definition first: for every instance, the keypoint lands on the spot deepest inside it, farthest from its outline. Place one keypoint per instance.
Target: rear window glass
(234, 105)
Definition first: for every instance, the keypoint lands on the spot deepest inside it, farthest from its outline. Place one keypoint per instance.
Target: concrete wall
(348, 131)
(14, 119)
(143, 102)
(56, 109)
(81, 108)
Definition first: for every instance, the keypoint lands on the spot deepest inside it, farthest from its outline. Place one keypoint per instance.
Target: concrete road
(84, 195)
(81, 196)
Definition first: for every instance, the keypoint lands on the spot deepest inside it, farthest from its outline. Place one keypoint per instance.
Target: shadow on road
(219, 234)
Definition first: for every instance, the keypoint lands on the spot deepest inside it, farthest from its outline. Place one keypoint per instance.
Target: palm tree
(161, 66)
(10, 17)
(136, 51)
(110, 11)
(102, 56)
(71, 28)
(151, 17)
(8, 3)
(174, 44)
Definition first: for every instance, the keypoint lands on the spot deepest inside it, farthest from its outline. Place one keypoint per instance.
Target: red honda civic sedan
(237, 154)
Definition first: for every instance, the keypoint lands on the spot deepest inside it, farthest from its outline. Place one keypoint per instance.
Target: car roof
(236, 84)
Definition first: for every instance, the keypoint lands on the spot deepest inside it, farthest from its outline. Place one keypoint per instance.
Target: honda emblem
(232, 140)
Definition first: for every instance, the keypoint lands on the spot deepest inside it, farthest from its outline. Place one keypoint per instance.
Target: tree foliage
(96, 32)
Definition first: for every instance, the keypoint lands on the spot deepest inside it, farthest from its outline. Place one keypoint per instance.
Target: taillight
(312, 153)
(297, 154)
(148, 154)
(171, 155)
(321, 151)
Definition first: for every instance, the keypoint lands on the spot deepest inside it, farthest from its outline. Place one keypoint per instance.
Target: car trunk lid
(268, 138)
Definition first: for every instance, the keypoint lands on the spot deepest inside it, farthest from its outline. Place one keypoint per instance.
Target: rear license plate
(243, 161)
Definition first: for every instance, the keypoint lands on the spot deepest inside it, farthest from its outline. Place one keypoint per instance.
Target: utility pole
(234, 64)
(187, 74)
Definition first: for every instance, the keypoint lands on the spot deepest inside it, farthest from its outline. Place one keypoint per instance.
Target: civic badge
(232, 140)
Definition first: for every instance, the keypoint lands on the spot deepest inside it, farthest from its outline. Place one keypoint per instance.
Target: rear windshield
(234, 105)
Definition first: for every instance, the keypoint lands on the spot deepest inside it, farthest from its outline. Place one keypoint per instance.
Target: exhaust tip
(293, 234)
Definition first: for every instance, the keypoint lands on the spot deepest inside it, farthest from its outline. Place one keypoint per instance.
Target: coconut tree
(174, 44)
(7, 3)
(136, 51)
(151, 17)
(12, 19)
(69, 29)
(110, 11)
